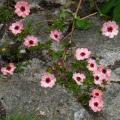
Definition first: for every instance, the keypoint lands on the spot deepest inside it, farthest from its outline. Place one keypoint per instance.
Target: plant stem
(76, 12)
(80, 19)
(89, 15)
(78, 7)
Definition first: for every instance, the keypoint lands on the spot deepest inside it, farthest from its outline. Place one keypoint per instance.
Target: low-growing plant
(6, 11)
(74, 68)
(6, 14)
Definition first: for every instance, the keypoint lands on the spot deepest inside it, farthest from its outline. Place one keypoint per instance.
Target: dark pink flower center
(8, 68)
(31, 42)
(95, 104)
(78, 78)
(56, 36)
(22, 8)
(110, 29)
(16, 27)
(96, 78)
(104, 71)
(91, 65)
(97, 94)
(82, 54)
(48, 80)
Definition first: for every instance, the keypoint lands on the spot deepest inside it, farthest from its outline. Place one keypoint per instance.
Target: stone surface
(22, 93)
(112, 102)
(82, 114)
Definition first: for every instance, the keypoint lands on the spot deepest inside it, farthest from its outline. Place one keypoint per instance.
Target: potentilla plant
(75, 69)
(82, 76)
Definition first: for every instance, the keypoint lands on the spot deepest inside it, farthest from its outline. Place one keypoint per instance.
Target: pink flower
(106, 72)
(79, 78)
(98, 78)
(82, 53)
(102, 75)
(96, 93)
(9, 69)
(96, 104)
(16, 27)
(47, 80)
(30, 41)
(110, 29)
(55, 35)
(22, 9)
(92, 65)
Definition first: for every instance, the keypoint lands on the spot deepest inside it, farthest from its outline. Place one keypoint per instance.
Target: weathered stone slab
(22, 93)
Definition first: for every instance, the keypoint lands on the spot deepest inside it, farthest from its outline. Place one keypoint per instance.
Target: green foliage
(20, 66)
(111, 7)
(11, 53)
(56, 54)
(59, 23)
(41, 46)
(62, 14)
(6, 14)
(116, 13)
(65, 79)
(107, 6)
(81, 24)
(81, 66)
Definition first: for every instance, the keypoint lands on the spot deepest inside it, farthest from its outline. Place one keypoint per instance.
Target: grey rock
(109, 56)
(20, 94)
(34, 69)
(39, 25)
(82, 115)
(115, 77)
(112, 102)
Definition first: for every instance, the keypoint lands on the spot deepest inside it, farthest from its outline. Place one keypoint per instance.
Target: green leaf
(81, 24)
(79, 65)
(58, 24)
(62, 14)
(116, 13)
(107, 7)
(57, 55)
(6, 14)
